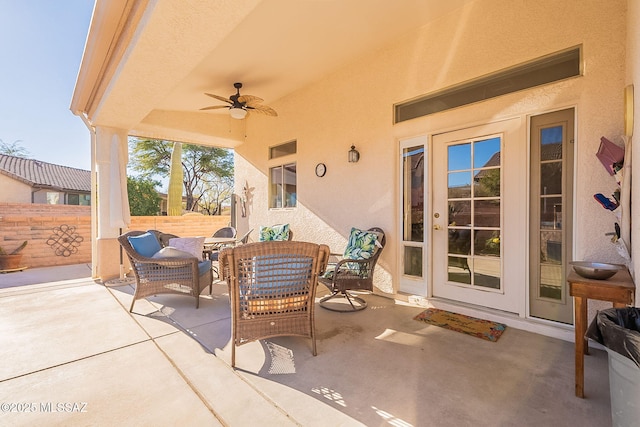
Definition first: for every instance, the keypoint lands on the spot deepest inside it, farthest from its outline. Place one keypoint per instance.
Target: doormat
(485, 329)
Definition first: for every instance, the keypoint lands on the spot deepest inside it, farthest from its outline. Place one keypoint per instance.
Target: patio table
(212, 244)
(619, 290)
(219, 241)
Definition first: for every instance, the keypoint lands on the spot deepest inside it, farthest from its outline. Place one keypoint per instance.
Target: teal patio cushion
(362, 244)
(275, 232)
(203, 266)
(146, 244)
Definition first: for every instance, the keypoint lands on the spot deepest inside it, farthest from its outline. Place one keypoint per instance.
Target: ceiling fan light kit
(238, 113)
(240, 105)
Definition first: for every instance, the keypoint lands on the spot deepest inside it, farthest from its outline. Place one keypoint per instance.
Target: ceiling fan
(240, 105)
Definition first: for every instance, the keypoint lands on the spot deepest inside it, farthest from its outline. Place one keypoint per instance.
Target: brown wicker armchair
(351, 274)
(175, 275)
(272, 287)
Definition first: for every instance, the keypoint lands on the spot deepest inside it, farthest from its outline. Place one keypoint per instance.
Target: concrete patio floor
(73, 355)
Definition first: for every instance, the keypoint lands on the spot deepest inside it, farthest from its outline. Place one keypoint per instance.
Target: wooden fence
(61, 234)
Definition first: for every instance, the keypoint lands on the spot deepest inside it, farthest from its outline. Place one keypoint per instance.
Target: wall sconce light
(237, 113)
(354, 156)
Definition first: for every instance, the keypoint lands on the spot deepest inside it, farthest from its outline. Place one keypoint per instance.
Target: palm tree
(14, 149)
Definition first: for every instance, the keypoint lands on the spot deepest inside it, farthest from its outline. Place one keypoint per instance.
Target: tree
(143, 196)
(14, 149)
(204, 168)
(214, 195)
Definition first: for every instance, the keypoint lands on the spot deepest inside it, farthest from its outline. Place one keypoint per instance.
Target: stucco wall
(14, 191)
(354, 106)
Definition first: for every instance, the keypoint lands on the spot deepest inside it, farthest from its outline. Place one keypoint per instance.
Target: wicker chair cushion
(329, 273)
(274, 271)
(146, 244)
(275, 275)
(204, 266)
(362, 244)
(171, 252)
(275, 232)
(193, 245)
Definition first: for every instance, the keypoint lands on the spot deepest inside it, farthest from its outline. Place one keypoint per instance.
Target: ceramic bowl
(595, 270)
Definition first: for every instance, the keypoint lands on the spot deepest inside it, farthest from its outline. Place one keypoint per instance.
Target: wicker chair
(272, 287)
(178, 275)
(351, 274)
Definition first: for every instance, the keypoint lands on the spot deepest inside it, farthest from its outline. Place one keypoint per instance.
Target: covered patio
(73, 355)
(334, 72)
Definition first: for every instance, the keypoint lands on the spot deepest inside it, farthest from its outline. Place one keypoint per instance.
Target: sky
(41, 46)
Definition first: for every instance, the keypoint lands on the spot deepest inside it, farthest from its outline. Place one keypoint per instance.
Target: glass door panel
(413, 167)
(474, 222)
(551, 195)
(478, 223)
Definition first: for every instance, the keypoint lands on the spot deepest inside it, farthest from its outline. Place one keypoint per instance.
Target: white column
(94, 209)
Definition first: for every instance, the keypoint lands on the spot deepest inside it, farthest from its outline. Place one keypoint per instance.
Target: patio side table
(619, 289)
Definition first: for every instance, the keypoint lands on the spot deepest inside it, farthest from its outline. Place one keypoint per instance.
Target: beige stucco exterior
(352, 104)
(365, 194)
(14, 191)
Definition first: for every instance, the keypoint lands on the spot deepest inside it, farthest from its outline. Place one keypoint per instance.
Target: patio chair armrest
(224, 265)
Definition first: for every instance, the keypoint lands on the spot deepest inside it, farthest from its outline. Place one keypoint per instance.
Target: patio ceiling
(147, 64)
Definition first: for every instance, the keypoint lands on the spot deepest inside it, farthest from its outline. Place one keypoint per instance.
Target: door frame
(572, 221)
(427, 134)
(419, 286)
(513, 222)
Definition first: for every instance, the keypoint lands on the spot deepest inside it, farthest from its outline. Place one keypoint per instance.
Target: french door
(487, 217)
(479, 216)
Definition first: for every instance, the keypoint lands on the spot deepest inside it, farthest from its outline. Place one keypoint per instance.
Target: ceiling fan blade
(220, 98)
(248, 99)
(263, 109)
(214, 107)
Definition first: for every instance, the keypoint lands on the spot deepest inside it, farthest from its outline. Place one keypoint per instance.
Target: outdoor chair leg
(233, 353)
(313, 345)
(361, 303)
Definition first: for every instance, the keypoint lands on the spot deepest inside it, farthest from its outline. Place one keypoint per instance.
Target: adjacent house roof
(45, 175)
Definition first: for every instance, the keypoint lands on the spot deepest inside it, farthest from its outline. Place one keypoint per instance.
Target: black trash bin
(618, 329)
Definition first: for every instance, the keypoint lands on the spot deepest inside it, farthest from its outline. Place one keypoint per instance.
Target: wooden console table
(619, 289)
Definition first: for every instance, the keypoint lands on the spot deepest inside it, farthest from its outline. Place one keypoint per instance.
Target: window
(282, 150)
(53, 198)
(79, 199)
(548, 69)
(283, 186)
(413, 208)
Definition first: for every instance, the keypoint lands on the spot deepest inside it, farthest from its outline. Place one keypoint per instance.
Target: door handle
(437, 227)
